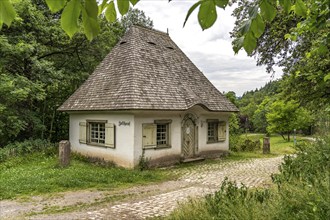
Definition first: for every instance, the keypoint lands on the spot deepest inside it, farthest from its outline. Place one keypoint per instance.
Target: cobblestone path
(195, 181)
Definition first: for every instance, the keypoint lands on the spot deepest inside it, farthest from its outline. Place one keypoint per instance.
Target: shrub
(144, 162)
(302, 192)
(27, 147)
(238, 143)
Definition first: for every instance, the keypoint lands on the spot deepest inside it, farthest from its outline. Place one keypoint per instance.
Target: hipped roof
(146, 70)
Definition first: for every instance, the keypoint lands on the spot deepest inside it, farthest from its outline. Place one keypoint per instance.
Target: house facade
(147, 96)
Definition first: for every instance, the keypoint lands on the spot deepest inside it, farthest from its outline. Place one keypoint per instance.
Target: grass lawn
(39, 173)
(278, 146)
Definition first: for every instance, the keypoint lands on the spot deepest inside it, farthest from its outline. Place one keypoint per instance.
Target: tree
(284, 117)
(259, 119)
(135, 17)
(299, 44)
(251, 29)
(40, 67)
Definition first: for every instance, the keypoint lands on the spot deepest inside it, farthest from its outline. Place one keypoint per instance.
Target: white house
(146, 95)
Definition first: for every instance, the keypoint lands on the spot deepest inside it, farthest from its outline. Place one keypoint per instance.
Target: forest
(40, 67)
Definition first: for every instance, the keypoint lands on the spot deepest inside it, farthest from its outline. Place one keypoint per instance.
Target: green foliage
(7, 13)
(284, 117)
(144, 162)
(240, 143)
(135, 17)
(297, 39)
(17, 149)
(303, 188)
(40, 173)
(40, 67)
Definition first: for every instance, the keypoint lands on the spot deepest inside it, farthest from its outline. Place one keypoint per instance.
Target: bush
(26, 147)
(238, 143)
(302, 192)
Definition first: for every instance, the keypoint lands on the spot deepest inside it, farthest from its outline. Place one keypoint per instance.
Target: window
(97, 132)
(216, 131)
(162, 134)
(212, 131)
(156, 135)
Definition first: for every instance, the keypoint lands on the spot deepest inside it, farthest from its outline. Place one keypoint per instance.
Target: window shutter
(110, 135)
(82, 132)
(149, 135)
(221, 131)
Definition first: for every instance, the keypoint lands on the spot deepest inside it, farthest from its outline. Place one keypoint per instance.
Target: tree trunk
(51, 126)
(283, 136)
(288, 136)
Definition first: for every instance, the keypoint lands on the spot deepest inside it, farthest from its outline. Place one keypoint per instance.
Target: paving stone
(204, 179)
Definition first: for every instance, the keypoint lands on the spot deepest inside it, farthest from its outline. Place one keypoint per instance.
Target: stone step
(194, 159)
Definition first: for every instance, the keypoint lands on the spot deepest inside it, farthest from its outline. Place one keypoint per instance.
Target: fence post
(266, 145)
(64, 153)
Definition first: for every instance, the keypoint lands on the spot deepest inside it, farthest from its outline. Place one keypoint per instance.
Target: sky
(210, 50)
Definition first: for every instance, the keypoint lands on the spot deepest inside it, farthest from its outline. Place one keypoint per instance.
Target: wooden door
(188, 138)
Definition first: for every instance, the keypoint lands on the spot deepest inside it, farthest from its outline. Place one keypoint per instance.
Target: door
(188, 138)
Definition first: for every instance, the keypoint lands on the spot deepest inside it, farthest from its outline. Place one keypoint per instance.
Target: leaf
(70, 16)
(134, 2)
(102, 6)
(300, 8)
(191, 10)
(287, 36)
(55, 5)
(268, 11)
(286, 5)
(249, 43)
(238, 44)
(91, 26)
(327, 77)
(253, 11)
(207, 14)
(123, 6)
(245, 27)
(91, 8)
(110, 13)
(258, 26)
(221, 3)
(7, 12)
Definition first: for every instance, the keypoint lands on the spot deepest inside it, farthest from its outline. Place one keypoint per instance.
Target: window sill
(214, 142)
(98, 145)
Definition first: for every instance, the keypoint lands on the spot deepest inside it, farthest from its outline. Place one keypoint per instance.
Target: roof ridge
(150, 29)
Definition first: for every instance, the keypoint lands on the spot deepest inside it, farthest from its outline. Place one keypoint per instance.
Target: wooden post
(64, 153)
(266, 145)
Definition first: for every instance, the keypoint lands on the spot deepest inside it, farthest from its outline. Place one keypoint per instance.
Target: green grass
(38, 173)
(278, 146)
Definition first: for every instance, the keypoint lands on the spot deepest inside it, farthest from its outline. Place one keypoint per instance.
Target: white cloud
(209, 50)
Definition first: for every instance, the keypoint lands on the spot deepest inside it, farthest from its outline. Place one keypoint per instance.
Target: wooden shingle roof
(146, 70)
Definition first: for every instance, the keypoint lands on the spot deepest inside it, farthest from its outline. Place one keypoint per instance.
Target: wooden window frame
(216, 125)
(158, 134)
(107, 139)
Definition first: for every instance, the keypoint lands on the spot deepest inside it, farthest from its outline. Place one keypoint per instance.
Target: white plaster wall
(202, 116)
(175, 135)
(122, 154)
(175, 132)
(128, 139)
(202, 136)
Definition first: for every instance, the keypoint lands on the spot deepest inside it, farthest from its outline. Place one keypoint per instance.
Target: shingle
(148, 71)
